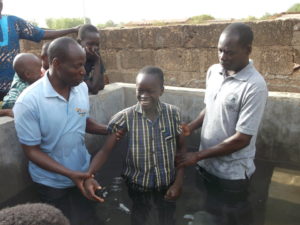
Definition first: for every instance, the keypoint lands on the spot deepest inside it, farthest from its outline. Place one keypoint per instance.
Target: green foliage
(294, 8)
(109, 23)
(250, 18)
(200, 19)
(63, 23)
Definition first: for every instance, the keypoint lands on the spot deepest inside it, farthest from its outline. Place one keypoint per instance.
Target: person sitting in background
(89, 39)
(44, 57)
(27, 67)
(12, 29)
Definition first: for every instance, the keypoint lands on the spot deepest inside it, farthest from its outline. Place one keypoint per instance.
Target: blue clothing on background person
(43, 117)
(12, 29)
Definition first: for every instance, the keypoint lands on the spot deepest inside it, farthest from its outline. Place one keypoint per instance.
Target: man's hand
(186, 159)
(186, 131)
(90, 187)
(120, 134)
(93, 53)
(78, 178)
(173, 192)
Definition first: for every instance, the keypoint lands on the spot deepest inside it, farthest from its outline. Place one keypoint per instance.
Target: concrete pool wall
(278, 140)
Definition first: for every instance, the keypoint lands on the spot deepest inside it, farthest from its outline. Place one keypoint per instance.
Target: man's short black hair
(154, 71)
(85, 29)
(59, 48)
(243, 31)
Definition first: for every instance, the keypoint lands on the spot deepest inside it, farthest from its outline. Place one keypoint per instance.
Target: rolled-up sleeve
(117, 122)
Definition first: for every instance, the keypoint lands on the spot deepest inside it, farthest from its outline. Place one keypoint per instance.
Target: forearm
(181, 148)
(101, 156)
(44, 161)
(97, 82)
(93, 127)
(6, 112)
(195, 124)
(51, 34)
(228, 146)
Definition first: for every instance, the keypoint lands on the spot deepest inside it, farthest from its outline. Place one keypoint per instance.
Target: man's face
(232, 55)
(148, 91)
(71, 69)
(91, 44)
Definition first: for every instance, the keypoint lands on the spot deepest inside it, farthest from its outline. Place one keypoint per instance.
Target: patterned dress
(12, 29)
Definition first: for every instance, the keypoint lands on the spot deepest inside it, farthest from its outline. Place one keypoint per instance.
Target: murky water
(275, 198)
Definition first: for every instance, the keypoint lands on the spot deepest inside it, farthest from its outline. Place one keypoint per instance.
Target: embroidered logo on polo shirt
(231, 101)
(81, 112)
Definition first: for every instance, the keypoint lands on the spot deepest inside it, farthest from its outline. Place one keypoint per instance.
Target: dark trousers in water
(227, 200)
(78, 209)
(144, 201)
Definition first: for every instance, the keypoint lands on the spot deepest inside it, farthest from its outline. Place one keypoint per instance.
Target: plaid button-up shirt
(152, 145)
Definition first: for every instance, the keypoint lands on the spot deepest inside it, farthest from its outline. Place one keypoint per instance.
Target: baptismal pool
(274, 197)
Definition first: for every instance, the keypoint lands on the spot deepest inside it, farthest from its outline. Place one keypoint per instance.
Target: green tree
(294, 8)
(200, 19)
(63, 23)
(109, 23)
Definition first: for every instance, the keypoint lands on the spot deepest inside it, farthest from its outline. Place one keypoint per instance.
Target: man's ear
(55, 62)
(162, 90)
(249, 49)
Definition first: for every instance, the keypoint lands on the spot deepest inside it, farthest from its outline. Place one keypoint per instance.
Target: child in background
(44, 57)
(154, 137)
(89, 39)
(27, 67)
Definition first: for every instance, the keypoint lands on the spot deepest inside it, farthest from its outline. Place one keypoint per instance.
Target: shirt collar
(138, 107)
(242, 75)
(49, 91)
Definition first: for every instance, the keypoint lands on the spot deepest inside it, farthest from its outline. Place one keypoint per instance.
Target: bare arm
(40, 158)
(175, 190)
(97, 82)
(101, 156)
(93, 127)
(91, 185)
(232, 144)
(6, 112)
(196, 123)
(51, 34)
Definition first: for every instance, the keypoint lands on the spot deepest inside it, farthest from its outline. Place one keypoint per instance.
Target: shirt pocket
(231, 102)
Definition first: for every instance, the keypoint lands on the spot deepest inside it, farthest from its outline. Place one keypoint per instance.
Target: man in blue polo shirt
(51, 118)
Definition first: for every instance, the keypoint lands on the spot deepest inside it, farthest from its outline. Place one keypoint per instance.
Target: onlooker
(44, 57)
(89, 38)
(32, 214)
(51, 118)
(27, 67)
(13, 29)
(154, 135)
(235, 99)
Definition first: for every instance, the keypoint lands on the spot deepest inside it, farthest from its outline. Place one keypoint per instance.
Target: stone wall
(185, 52)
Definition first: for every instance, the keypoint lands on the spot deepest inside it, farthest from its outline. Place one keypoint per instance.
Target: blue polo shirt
(43, 117)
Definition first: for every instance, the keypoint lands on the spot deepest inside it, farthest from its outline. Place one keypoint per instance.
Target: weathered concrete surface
(277, 142)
